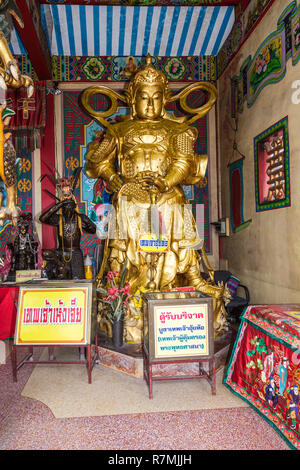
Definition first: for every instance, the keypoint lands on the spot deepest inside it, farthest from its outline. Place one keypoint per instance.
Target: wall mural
(268, 65)
(244, 24)
(69, 68)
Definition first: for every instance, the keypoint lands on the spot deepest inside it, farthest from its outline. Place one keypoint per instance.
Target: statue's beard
(68, 213)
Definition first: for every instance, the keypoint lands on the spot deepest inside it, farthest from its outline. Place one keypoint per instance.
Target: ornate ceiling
(121, 28)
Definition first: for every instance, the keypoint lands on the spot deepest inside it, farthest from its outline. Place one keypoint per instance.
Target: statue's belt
(133, 191)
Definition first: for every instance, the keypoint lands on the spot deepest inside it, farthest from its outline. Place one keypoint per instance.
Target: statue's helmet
(147, 75)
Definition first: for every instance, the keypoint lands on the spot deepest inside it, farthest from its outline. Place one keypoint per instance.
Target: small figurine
(66, 262)
(23, 247)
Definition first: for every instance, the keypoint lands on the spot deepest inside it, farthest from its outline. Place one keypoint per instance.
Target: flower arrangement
(116, 297)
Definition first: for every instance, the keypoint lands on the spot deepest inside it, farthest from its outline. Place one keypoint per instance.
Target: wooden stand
(150, 378)
(28, 359)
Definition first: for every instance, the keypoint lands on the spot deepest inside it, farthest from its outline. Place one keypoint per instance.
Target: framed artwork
(272, 173)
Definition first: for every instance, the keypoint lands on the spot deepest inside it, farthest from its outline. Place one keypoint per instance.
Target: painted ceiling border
(232, 46)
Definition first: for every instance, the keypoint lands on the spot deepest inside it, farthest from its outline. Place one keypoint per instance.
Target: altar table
(8, 311)
(264, 368)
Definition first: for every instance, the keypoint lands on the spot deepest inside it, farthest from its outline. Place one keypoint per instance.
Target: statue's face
(23, 229)
(149, 101)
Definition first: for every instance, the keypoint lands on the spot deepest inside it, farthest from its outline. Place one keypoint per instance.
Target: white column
(58, 133)
(213, 185)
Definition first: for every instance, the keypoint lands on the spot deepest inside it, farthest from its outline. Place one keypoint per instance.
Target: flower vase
(117, 333)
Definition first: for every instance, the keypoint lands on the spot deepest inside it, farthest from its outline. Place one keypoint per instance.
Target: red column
(48, 158)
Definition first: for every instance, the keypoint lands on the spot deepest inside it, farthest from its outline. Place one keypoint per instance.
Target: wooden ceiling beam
(34, 39)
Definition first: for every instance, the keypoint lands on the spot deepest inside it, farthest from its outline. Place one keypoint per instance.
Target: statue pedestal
(129, 358)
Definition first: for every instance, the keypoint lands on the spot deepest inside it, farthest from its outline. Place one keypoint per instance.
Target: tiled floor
(28, 424)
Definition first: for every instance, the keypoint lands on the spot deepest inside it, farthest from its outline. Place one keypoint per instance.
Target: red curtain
(47, 158)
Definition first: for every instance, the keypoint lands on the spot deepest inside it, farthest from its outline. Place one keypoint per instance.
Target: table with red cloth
(8, 310)
(264, 368)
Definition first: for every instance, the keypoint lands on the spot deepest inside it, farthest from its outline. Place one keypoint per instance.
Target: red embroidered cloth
(30, 112)
(8, 311)
(30, 116)
(264, 368)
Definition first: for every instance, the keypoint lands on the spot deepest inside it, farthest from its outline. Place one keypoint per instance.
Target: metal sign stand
(150, 378)
(28, 359)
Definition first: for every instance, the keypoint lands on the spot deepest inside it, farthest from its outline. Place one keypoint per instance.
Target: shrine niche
(272, 180)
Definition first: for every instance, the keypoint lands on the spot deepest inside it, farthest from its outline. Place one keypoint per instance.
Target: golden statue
(146, 158)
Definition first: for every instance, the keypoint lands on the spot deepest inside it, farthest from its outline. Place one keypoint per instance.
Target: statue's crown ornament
(149, 75)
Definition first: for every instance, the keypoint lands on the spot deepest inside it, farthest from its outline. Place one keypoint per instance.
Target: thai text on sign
(48, 314)
(152, 244)
(181, 330)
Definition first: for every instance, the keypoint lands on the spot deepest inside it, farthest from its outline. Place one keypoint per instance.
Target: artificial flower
(111, 275)
(126, 289)
(113, 293)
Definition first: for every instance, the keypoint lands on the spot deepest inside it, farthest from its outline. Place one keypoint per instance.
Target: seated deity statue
(146, 159)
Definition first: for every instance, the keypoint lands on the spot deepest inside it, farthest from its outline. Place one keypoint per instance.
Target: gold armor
(146, 159)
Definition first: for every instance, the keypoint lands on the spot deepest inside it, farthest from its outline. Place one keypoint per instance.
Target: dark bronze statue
(66, 262)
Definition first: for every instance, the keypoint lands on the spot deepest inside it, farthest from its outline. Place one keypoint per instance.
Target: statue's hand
(115, 183)
(147, 182)
(160, 184)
